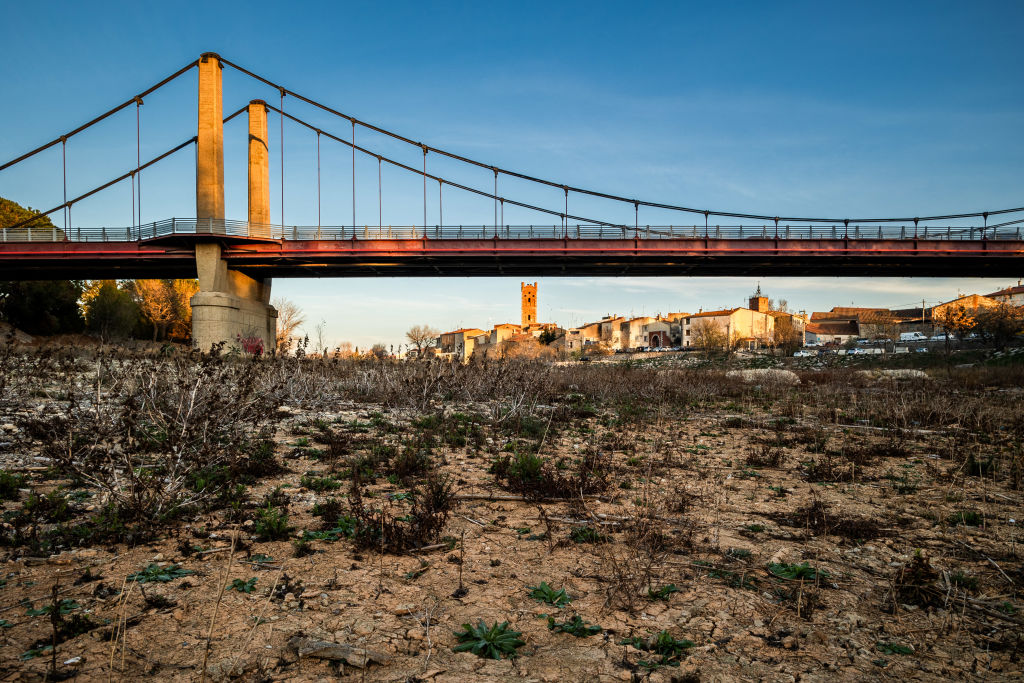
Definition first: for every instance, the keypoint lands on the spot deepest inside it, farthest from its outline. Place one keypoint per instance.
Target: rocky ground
(770, 541)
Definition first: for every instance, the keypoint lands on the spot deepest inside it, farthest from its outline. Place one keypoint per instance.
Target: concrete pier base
(230, 307)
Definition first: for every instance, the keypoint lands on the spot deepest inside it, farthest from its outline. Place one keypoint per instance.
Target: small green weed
(965, 581)
(586, 534)
(796, 571)
(662, 593)
(243, 586)
(345, 527)
(966, 518)
(154, 573)
(65, 606)
(35, 652)
(893, 648)
(546, 594)
(418, 572)
(668, 649)
(574, 627)
(491, 642)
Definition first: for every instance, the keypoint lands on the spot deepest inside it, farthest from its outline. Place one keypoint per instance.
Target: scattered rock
(323, 649)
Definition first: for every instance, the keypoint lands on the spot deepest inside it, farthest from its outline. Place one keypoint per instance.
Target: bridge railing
(231, 228)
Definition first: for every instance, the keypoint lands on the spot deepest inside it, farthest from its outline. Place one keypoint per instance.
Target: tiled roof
(863, 315)
(463, 331)
(835, 327)
(1009, 291)
(712, 314)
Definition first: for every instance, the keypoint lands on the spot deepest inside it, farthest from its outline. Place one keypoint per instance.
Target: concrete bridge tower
(229, 305)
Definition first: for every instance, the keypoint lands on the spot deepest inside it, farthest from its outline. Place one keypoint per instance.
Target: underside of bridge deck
(538, 257)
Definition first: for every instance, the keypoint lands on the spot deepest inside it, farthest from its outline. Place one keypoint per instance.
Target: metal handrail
(233, 228)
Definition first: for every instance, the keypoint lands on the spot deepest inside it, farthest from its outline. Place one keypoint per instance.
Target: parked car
(913, 336)
(942, 337)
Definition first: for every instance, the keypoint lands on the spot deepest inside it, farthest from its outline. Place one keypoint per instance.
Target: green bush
(9, 485)
(271, 524)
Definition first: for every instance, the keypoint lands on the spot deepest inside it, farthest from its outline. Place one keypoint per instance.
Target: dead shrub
(537, 478)
(764, 455)
(161, 437)
(914, 584)
(386, 530)
(818, 519)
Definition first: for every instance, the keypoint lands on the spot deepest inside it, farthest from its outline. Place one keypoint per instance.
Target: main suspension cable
(69, 203)
(107, 114)
(605, 195)
(411, 169)
(130, 174)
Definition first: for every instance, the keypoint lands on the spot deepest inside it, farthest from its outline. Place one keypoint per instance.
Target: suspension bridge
(235, 260)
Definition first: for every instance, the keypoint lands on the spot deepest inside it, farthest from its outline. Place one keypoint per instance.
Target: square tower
(528, 294)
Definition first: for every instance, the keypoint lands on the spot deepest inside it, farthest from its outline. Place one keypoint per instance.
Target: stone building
(1010, 295)
(458, 344)
(528, 297)
(741, 327)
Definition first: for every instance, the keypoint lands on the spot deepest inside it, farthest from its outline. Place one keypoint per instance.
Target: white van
(912, 337)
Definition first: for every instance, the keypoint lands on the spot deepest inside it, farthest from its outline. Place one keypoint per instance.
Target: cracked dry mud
(733, 491)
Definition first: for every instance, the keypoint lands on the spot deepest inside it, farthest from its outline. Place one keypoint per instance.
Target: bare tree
(787, 336)
(890, 332)
(957, 321)
(422, 337)
(289, 318)
(1000, 323)
(710, 335)
(344, 350)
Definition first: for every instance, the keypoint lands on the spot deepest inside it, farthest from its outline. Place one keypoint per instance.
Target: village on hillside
(761, 324)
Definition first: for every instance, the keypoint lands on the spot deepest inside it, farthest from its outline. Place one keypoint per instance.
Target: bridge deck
(421, 257)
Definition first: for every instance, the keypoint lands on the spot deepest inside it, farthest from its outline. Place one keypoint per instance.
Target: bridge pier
(230, 307)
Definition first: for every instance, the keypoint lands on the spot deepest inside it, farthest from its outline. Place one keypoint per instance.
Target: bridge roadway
(173, 257)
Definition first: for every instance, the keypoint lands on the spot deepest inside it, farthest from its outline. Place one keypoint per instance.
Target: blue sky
(775, 108)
